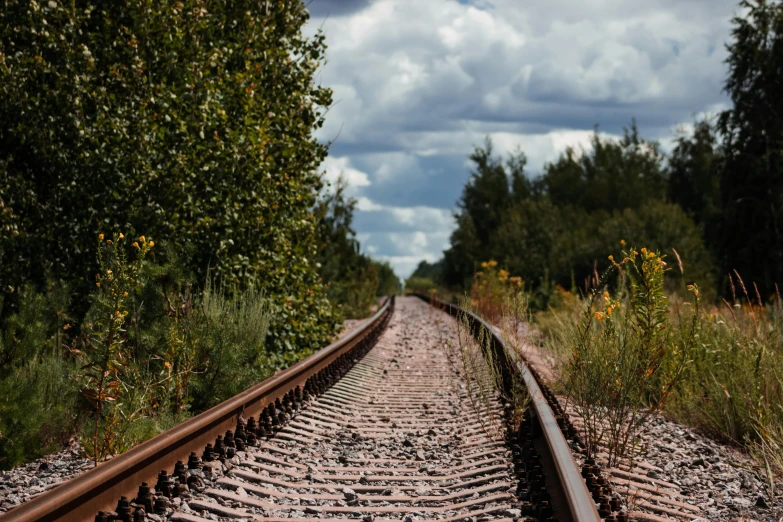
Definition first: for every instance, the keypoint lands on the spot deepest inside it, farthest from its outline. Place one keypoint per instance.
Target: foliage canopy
(189, 121)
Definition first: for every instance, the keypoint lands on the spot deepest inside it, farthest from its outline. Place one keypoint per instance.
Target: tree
(557, 228)
(612, 175)
(485, 200)
(752, 129)
(432, 271)
(485, 196)
(354, 279)
(188, 121)
(694, 179)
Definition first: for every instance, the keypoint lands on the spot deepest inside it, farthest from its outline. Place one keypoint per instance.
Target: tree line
(714, 204)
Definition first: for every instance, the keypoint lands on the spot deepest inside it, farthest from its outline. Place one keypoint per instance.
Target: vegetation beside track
(711, 209)
(175, 141)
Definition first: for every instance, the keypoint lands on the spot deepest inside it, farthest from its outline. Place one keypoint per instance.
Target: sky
(419, 83)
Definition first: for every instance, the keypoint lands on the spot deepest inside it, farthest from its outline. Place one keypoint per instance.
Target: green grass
(731, 385)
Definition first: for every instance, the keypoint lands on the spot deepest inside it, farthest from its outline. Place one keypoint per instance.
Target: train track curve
(377, 426)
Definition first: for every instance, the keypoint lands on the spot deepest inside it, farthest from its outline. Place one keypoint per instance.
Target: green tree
(485, 196)
(694, 171)
(485, 199)
(751, 235)
(189, 121)
(611, 175)
(432, 271)
(559, 227)
(388, 282)
(354, 279)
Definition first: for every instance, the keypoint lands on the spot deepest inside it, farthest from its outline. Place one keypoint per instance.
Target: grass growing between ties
(485, 364)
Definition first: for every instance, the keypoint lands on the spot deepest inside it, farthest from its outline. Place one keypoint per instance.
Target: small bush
(149, 354)
(734, 386)
(624, 360)
(492, 291)
(419, 284)
(230, 330)
(717, 369)
(106, 374)
(37, 394)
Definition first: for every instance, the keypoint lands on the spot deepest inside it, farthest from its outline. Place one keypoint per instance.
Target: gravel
(28, 480)
(723, 481)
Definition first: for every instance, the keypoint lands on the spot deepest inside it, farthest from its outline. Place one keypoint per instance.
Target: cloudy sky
(418, 83)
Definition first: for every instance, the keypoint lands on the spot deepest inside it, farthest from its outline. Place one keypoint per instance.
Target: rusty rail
(577, 504)
(82, 498)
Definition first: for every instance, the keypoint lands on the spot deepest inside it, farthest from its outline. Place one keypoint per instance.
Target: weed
(105, 362)
(624, 362)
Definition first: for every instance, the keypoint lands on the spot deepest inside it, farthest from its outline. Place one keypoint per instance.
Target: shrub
(734, 387)
(37, 394)
(492, 291)
(719, 370)
(113, 398)
(149, 354)
(229, 330)
(419, 284)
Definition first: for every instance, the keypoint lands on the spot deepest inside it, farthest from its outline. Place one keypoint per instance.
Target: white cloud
(367, 205)
(334, 168)
(401, 234)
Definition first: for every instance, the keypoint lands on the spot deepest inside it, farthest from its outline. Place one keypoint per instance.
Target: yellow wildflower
(98, 284)
(152, 244)
(100, 237)
(135, 244)
(66, 327)
(122, 236)
(644, 251)
(141, 238)
(125, 294)
(622, 242)
(606, 294)
(609, 310)
(611, 258)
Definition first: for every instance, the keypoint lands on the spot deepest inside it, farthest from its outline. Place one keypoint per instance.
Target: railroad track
(380, 425)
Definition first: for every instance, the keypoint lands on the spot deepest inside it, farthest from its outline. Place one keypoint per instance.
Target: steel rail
(581, 506)
(81, 498)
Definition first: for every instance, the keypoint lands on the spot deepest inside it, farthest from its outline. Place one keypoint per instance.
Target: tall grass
(482, 362)
(149, 353)
(728, 361)
(733, 387)
(37, 396)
